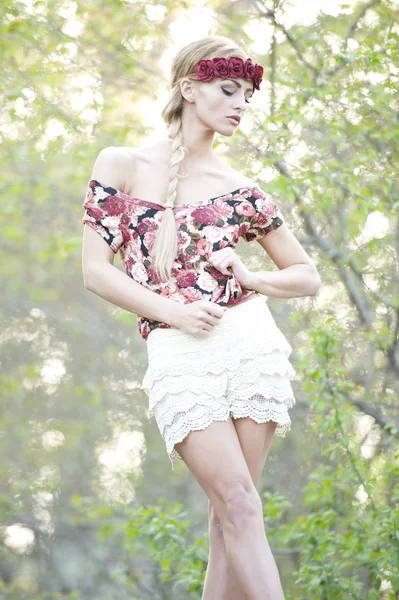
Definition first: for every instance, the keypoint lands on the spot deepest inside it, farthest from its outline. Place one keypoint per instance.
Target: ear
(187, 89)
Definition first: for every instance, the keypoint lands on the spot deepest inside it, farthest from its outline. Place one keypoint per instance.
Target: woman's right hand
(199, 317)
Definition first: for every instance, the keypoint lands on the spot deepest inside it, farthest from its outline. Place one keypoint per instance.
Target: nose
(240, 102)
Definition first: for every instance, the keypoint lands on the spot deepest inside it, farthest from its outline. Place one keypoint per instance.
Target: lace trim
(269, 356)
(172, 403)
(186, 391)
(199, 417)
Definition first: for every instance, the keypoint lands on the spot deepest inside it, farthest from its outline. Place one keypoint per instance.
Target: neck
(199, 142)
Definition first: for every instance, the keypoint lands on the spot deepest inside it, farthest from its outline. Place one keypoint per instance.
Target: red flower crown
(233, 67)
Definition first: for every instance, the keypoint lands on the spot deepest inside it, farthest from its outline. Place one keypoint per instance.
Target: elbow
(89, 278)
(87, 281)
(93, 272)
(313, 281)
(316, 284)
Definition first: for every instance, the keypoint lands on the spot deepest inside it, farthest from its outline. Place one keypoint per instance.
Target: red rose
(236, 67)
(221, 67)
(249, 69)
(258, 76)
(204, 70)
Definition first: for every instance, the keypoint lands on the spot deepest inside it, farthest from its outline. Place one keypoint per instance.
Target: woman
(218, 376)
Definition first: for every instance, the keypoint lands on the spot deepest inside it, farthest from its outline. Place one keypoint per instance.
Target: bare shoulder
(112, 166)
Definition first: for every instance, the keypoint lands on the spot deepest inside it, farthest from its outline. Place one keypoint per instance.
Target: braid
(165, 247)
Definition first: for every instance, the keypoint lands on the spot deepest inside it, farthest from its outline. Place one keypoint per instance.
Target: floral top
(129, 225)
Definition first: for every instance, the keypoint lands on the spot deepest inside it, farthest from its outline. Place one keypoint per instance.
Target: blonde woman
(218, 375)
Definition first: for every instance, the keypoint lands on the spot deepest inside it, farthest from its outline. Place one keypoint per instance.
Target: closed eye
(231, 93)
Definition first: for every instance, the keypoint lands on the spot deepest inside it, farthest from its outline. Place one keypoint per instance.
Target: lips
(235, 117)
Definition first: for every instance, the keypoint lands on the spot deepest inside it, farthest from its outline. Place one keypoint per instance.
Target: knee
(241, 506)
(214, 521)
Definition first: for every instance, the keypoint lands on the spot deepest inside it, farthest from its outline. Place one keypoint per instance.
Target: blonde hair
(212, 46)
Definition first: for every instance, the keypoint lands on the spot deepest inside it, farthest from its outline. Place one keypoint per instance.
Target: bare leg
(247, 549)
(215, 458)
(220, 582)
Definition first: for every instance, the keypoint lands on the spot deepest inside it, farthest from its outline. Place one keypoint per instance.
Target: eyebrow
(239, 84)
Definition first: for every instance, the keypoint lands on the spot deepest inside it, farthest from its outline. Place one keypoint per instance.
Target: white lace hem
(265, 374)
(200, 416)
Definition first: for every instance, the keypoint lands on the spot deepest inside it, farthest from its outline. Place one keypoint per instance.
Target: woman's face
(217, 100)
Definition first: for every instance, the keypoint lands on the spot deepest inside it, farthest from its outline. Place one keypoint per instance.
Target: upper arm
(102, 239)
(268, 228)
(284, 249)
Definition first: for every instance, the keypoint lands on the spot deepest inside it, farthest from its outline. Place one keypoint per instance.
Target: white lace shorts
(239, 369)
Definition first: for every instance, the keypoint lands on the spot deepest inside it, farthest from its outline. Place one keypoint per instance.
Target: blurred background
(89, 506)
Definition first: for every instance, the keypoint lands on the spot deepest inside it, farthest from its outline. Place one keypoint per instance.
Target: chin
(226, 131)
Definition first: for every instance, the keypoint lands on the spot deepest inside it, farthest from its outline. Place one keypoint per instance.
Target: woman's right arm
(100, 276)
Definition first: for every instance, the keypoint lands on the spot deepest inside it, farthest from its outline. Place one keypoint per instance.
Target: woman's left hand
(227, 262)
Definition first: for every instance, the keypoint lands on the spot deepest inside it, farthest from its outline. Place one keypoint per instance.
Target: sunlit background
(339, 202)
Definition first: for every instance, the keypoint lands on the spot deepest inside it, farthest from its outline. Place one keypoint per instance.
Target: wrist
(171, 315)
(254, 281)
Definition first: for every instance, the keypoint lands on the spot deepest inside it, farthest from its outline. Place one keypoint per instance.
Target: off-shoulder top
(129, 225)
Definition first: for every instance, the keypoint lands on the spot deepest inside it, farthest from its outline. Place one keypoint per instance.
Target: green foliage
(347, 540)
(81, 512)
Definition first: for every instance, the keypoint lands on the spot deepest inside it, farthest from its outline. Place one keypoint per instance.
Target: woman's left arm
(299, 279)
(297, 275)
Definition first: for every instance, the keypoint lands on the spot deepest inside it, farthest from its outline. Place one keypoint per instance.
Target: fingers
(210, 320)
(215, 310)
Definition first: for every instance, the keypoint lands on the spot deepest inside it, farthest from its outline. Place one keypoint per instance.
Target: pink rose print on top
(225, 211)
(257, 193)
(242, 229)
(267, 213)
(204, 247)
(145, 225)
(124, 226)
(152, 274)
(245, 208)
(114, 206)
(149, 239)
(96, 212)
(186, 278)
(139, 273)
(191, 294)
(206, 215)
(207, 282)
(247, 213)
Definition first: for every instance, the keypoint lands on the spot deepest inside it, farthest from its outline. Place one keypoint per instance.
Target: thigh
(215, 458)
(255, 441)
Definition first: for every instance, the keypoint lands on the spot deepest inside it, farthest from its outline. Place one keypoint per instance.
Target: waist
(238, 320)
(251, 297)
